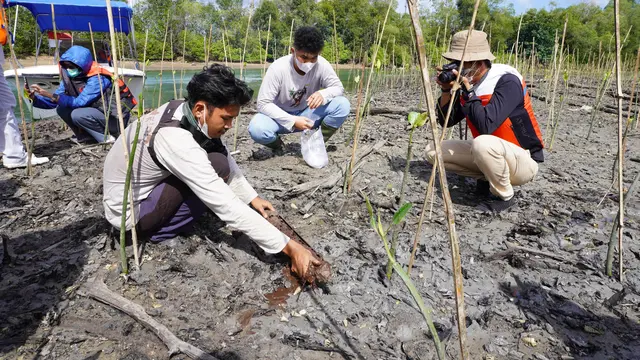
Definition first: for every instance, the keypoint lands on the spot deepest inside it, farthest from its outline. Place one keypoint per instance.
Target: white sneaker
(34, 161)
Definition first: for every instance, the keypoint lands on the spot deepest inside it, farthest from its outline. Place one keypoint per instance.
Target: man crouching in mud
(181, 168)
(507, 144)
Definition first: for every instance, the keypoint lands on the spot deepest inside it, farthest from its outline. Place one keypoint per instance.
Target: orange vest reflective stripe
(4, 31)
(485, 91)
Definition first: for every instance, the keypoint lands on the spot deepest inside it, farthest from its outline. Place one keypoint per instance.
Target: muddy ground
(209, 288)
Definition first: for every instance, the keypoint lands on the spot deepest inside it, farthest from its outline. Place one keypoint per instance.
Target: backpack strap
(165, 121)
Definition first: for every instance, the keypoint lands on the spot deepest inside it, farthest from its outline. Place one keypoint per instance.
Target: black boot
(327, 132)
(277, 146)
(497, 205)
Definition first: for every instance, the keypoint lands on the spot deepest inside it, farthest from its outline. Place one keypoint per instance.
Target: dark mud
(209, 287)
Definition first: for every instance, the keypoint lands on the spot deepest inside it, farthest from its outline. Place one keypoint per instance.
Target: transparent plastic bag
(313, 150)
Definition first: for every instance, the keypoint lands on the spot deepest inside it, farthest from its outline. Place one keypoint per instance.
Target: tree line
(206, 30)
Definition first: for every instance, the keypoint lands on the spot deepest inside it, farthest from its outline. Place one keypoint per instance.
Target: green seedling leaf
(565, 76)
(381, 231)
(422, 119)
(378, 64)
(372, 218)
(401, 213)
(357, 79)
(412, 117)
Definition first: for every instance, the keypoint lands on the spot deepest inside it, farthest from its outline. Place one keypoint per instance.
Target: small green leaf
(357, 79)
(422, 119)
(565, 76)
(372, 218)
(412, 117)
(401, 213)
(378, 64)
(381, 231)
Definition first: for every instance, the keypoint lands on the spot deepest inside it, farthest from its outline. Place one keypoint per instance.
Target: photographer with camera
(493, 98)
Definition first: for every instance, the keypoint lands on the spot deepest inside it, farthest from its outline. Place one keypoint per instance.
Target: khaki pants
(488, 157)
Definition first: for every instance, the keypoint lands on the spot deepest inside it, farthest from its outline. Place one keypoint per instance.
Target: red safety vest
(485, 90)
(4, 31)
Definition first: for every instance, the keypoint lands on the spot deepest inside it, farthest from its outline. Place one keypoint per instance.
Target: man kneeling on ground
(181, 168)
(300, 91)
(83, 97)
(507, 144)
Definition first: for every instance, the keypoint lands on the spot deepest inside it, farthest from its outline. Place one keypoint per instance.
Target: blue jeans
(265, 130)
(90, 120)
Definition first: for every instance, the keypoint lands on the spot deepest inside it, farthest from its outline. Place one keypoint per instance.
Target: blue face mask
(74, 72)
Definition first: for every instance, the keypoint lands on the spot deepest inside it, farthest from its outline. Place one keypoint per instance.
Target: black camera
(446, 75)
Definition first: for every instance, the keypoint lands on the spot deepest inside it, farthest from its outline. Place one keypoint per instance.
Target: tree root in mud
(512, 248)
(96, 289)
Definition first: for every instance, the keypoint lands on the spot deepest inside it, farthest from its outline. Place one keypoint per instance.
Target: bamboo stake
(556, 75)
(455, 248)
(184, 62)
(104, 104)
(244, 51)
(224, 46)
(207, 49)
(517, 40)
(173, 71)
(290, 38)
(25, 134)
(335, 39)
(55, 35)
(164, 43)
(266, 50)
(620, 224)
(128, 193)
(366, 96)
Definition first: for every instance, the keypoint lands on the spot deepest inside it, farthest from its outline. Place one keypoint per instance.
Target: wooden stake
(518, 40)
(266, 49)
(620, 224)
(173, 71)
(335, 39)
(55, 34)
(184, 62)
(455, 247)
(290, 38)
(116, 78)
(164, 43)
(104, 104)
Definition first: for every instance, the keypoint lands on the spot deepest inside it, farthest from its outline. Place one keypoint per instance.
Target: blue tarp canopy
(75, 15)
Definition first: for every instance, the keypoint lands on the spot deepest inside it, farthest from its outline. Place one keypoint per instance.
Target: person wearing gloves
(183, 169)
(13, 153)
(79, 100)
(300, 91)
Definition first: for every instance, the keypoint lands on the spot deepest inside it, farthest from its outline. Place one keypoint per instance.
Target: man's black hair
(219, 87)
(487, 63)
(309, 39)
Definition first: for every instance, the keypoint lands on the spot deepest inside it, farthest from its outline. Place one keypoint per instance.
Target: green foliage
(417, 120)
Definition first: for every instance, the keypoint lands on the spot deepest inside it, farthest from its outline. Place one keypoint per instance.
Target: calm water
(253, 77)
(152, 84)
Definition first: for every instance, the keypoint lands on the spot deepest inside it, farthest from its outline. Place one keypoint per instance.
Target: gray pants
(83, 121)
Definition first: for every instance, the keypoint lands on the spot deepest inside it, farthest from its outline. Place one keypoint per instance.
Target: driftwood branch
(512, 248)
(96, 289)
(333, 179)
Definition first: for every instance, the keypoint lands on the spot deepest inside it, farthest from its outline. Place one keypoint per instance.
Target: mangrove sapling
(127, 194)
(604, 85)
(424, 310)
(614, 235)
(620, 223)
(416, 120)
(446, 196)
(367, 97)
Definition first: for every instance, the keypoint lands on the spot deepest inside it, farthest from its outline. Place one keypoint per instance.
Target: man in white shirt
(181, 168)
(300, 91)
(13, 154)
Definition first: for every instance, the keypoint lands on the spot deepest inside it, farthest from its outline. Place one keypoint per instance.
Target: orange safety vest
(4, 30)
(74, 86)
(485, 91)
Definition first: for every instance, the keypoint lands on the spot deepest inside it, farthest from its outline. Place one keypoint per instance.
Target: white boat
(73, 16)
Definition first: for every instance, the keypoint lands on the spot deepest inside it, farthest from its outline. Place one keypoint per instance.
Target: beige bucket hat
(478, 48)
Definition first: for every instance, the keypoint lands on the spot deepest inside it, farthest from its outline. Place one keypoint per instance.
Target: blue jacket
(80, 56)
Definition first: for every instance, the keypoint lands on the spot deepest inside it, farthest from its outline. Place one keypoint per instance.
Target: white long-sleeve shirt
(181, 155)
(284, 91)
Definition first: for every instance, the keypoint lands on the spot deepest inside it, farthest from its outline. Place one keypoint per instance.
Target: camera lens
(446, 77)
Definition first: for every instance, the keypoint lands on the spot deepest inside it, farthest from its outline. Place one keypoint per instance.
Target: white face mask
(204, 128)
(304, 67)
(470, 73)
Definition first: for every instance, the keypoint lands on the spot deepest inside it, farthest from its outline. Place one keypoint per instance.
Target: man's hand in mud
(262, 206)
(303, 123)
(301, 258)
(315, 100)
